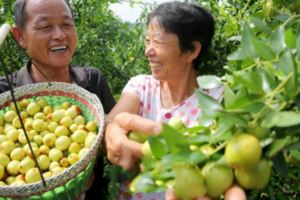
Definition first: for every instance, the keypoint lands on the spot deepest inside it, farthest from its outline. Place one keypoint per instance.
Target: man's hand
(121, 150)
(235, 192)
(170, 195)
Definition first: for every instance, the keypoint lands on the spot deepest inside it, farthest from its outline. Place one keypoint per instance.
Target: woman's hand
(121, 150)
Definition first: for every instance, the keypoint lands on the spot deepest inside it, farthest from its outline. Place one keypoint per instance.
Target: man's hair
(20, 15)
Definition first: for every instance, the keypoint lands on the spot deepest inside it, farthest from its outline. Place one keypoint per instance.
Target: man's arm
(3, 85)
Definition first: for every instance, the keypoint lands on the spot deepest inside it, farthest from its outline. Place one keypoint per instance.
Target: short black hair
(190, 22)
(20, 16)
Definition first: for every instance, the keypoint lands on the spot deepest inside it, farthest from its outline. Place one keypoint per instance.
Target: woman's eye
(44, 27)
(156, 43)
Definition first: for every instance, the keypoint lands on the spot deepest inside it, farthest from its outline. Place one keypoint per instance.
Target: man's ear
(18, 34)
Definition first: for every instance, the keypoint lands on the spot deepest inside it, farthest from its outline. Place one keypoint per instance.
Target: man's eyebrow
(45, 17)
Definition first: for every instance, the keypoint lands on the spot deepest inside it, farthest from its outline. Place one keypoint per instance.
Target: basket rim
(59, 89)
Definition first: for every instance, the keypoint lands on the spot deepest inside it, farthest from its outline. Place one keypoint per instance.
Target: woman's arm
(122, 119)
(128, 102)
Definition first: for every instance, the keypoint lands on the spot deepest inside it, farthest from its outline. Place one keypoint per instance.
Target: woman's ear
(197, 48)
(18, 34)
(194, 54)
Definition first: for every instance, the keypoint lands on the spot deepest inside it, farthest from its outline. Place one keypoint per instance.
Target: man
(47, 31)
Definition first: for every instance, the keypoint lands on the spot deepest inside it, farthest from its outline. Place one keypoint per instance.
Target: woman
(178, 36)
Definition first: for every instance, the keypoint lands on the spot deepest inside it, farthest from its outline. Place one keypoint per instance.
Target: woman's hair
(190, 22)
(20, 15)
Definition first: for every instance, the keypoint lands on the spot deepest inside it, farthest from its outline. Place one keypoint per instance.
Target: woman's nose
(149, 49)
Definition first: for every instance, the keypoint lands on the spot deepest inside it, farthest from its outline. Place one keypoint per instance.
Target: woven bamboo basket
(70, 183)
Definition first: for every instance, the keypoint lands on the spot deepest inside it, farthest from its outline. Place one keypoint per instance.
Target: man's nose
(58, 33)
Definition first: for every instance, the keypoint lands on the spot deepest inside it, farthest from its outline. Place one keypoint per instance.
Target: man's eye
(68, 25)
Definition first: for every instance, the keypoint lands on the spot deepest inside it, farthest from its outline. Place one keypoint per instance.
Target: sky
(130, 13)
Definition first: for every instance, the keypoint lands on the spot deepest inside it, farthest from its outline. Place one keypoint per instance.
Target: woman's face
(162, 49)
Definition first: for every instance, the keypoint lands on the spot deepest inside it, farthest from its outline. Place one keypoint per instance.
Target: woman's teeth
(156, 65)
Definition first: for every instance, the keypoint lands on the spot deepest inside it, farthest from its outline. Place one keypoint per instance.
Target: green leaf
(197, 129)
(286, 64)
(184, 157)
(263, 51)
(208, 104)
(295, 154)
(247, 103)
(171, 159)
(196, 158)
(229, 96)
(278, 40)
(261, 25)
(209, 82)
(174, 139)
(199, 139)
(161, 171)
(290, 38)
(281, 119)
(298, 46)
(251, 80)
(297, 102)
(158, 146)
(277, 146)
(237, 55)
(294, 146)
(206, 119)
(225, 123)
(221, 136)
(227, 120)
(280, 165)
(164, 175)
(268, 80)
(247, 42)
(247, 49)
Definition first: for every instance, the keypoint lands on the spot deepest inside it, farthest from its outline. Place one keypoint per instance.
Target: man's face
(50, 33)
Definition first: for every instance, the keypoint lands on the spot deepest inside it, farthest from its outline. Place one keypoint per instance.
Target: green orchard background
(117, 48)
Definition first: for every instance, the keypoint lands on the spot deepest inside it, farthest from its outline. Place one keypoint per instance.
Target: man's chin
(60, 63)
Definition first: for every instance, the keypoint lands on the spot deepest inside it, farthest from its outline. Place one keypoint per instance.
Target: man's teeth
(59, 48)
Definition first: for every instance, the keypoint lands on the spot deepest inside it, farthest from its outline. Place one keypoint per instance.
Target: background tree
(104, 42)
(116, 47)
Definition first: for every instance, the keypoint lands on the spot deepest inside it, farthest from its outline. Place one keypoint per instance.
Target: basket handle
(4, 30)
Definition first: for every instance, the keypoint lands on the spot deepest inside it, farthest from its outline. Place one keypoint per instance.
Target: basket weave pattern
(94, 109)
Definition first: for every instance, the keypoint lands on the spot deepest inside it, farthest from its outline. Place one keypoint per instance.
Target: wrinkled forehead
(42, 9)
(156, 30)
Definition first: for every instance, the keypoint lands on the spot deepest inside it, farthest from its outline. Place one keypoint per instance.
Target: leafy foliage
(107, 43)
(262, 81)
(261, 98)
(104, 41)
